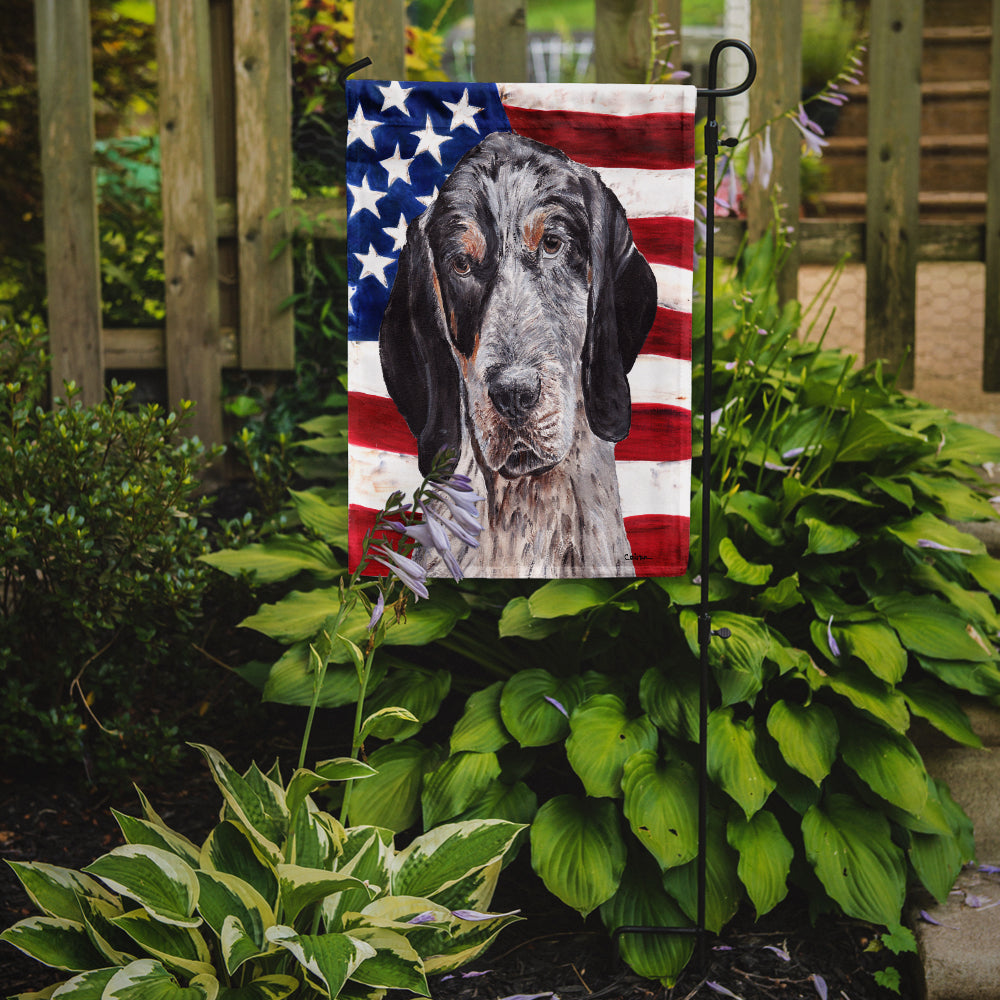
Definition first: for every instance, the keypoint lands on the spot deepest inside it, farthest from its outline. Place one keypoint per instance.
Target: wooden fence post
(380, 34)
(893, 183)
(501, 40)
(72, 255)
(190, 251)
(622, 40)
(262, 60)
(776, 34)
(991, 333)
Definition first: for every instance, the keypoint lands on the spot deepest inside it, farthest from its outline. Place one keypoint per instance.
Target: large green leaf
(661, 799)
(871, 435)
(456, 784)
(442, 857)
(888, 763)
(732, 760)
(876, 646)
(976, 678)
(329, 959)
(851, 850)
(739, 569)
(828, 539)
(807, 736)
(517, 620)
(738, 661)
(641, 901)
(516, 803)
(559, 598)
(180, 948)
(723, 889)
(924, 528)
(420, 691)
(765, 858)
(327, 520)
(932, 628)
(280, 557)
(56, 891)
(864, 691)
(395, 964)
(481, 728)
(602, 737)
(391, 798)
(941, 709)
(147, 979)
(578, 851)
(163, 884)
(535, 706)
(304, 782)
(291, 680)
(671, 699)
(54, 941)
(958, 502)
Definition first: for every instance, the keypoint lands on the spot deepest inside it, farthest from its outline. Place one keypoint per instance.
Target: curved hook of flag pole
(713, 69)
(352, 68)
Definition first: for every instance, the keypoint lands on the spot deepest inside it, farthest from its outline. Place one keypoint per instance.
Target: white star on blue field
(403, 140)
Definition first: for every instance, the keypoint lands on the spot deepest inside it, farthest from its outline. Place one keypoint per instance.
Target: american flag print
(404, 141)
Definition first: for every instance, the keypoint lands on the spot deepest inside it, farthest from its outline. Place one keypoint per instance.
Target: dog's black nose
(515, 393)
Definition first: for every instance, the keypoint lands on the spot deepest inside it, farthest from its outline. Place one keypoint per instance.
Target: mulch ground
(550, 953)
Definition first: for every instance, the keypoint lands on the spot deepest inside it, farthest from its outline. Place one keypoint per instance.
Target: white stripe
(645, 487)
(364, 368)
(655, 488)
(666, 381)
(646, 193)
(604, 99)
(673, 287)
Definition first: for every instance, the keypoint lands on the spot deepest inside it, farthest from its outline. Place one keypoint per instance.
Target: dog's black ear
(621, 310)
(417, 363)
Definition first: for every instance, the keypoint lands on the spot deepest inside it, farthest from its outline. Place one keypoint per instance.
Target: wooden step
(956, 53)
(940, 13)
(958, 206)
(947, 162)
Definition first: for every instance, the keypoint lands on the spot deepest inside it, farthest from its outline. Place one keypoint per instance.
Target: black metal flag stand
(705, 631)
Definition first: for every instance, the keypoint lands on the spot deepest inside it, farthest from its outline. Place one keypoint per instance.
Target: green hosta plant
(279, 900)
(855, 605)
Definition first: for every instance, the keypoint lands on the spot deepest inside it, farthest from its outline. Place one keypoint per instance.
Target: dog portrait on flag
(520, 262)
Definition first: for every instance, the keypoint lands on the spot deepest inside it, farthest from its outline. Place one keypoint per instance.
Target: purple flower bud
(377, 612)
(834, 648)
(927, 543)
(558, 705)
(410, 573)
(427, 917)
(820, 983)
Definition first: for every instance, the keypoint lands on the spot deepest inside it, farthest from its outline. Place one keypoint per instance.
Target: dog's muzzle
(515, 392)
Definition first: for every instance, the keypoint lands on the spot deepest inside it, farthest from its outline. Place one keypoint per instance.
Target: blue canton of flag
(403, 141)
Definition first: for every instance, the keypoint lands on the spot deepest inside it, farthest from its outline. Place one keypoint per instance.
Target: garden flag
(520, 280)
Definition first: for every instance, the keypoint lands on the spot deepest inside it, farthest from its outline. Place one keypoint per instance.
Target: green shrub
(280, 899)
(99, 541)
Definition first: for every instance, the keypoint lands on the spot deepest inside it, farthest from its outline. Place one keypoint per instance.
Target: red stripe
(658, 434)
(375, 422)
(670, 335)
(659, 544)
(665, 239)
(361, 520)
(648, 142)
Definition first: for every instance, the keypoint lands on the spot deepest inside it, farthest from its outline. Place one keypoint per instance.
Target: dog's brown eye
(460, 265)
(552, 245)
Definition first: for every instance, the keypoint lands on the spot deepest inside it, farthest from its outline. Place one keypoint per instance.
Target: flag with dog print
(520, 284)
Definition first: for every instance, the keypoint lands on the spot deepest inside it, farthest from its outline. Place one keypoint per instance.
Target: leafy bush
(279, 899)
(99, 539)
(854, 603)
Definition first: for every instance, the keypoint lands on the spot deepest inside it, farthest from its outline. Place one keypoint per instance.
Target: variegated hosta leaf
(765, 858)
(274, 987)
(256, 801)
(230, 849)
(723, 890)
(329, 959)
(395, 964)
(141, 831)
(147, 979)
(56, 891)
(578, 851)
(441, 857)
(54, 941)
(456, 784)
(116, 946)
(304, 782)
(475, 891)
(366, 855)
(160, 882)
(602, 737)
(732, 760)
(86, 986)
(642, 902)
(850, 847)
(300, 887)
(315, 839)
(661, 799)
(225, 897)
(177, 947)
(481, 727)
(535, 706)
(468, 939)
(807, 736)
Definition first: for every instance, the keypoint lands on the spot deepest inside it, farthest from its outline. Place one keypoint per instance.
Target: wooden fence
(226, 160)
